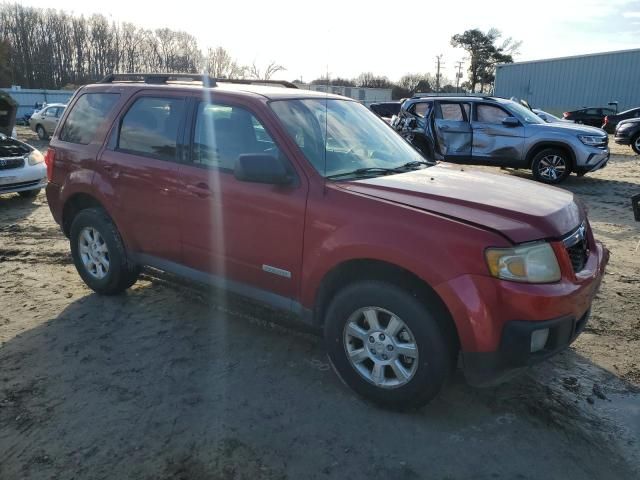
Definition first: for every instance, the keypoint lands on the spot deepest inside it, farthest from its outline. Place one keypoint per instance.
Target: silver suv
(499, 132)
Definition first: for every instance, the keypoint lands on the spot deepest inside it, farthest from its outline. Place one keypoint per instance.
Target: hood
(570, 127)
(11, 148)
(8, 109)
(628, 121)
(519, 209)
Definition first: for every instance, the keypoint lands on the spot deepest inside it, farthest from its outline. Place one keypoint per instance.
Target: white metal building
(366, 96)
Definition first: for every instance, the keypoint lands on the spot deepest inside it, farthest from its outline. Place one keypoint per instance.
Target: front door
(453, 131)
(249, 233)
(495, 143)
(140, 165)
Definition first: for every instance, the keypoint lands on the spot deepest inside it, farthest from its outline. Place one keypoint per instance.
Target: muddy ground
(171, 381)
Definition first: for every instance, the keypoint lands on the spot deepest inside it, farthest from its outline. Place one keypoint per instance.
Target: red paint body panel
(436, 222)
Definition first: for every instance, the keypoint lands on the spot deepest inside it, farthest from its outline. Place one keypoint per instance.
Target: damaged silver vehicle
(499, 132)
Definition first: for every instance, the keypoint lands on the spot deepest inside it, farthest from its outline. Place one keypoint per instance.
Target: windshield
(341, 136)
(526, 115)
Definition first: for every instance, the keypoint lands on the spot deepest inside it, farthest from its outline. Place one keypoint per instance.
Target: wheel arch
(354, 270)
(538, 147)
(75, 204)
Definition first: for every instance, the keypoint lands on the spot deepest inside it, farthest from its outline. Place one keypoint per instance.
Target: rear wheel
(387, 345)
(635, 144)
(42, 133)
(551, 166)
(99, 254)
(29, 193)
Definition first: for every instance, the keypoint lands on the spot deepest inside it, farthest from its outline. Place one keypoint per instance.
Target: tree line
(53, 49)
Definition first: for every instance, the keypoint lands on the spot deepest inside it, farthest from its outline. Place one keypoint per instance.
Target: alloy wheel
(552, 167)
(380, 347)
(94, 252)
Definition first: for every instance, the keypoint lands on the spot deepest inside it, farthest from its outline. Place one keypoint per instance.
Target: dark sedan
(628, 133)
(593, 116)
(611, 121)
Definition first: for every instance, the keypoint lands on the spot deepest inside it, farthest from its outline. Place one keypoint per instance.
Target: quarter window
(490, 114)
(222, 133)
(87, 115)
(150, 127)
(422, 109)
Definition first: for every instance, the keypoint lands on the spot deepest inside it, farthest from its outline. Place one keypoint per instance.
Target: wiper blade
(364, 171)
(415, 164)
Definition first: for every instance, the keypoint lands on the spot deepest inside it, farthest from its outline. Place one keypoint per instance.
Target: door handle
(200, 190)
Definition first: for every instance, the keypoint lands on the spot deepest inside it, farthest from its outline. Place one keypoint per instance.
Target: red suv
(311, 203)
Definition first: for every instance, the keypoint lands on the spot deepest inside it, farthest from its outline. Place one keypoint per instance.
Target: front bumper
(29, 177)
(495, 318)
(622, 139)
(594, 159)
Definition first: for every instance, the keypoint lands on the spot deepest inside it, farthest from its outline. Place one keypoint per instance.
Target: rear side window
(87, 115)
(151, 126)
(452, 111)
(422, 109)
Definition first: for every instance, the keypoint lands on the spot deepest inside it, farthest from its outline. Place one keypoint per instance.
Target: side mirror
(511, 122)
(261, 168)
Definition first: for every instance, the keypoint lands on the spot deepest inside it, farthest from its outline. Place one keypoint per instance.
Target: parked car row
(628, 133)
(500, 132)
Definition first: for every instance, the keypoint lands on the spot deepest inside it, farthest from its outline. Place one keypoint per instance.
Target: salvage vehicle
(611, 121)
(593, 116)
(386, 110)
(499, 132)
(45, 121)
(628, 133)
(309, 202)
(22, 169)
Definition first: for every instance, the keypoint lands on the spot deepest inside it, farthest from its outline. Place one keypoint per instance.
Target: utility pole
(438, 65)
(458, 75)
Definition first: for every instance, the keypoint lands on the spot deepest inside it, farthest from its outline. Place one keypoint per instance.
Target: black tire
(635, 143)
(29, 193)
(538, 166)
(435, 347)
(122, 273)
(42, 133)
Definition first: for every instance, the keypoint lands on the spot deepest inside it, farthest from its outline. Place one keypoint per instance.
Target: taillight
(565, 114)
(49, 160)
(606, 119)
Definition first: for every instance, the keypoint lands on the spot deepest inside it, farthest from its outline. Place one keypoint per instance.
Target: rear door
(140, 168)
(453, 132)
(50, 119)
(493, 142)
(250, 233)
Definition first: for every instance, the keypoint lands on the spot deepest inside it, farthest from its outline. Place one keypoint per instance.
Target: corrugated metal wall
(27, 98)
(558, 85)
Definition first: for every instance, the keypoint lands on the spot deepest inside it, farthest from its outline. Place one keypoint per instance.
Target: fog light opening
(539, 339)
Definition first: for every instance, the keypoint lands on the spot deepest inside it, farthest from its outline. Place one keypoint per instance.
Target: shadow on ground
(162, 384)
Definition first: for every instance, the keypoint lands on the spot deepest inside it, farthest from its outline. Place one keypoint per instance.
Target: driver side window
(222, 133)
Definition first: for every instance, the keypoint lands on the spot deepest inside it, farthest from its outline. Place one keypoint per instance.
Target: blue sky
(387, 37)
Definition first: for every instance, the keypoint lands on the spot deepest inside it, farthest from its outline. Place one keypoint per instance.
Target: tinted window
(223, 133)
(51, 112)
(592, 111)
(490, 114)
(452, 111)
(87, 115)
(150, 127)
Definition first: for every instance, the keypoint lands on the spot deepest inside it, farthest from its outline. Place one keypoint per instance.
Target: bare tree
(220, 64)
(267, 73)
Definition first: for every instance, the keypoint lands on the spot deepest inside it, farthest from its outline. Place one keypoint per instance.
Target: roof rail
(207, 80)
(158, 78)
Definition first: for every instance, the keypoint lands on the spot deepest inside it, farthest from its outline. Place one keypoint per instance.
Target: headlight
(35, 157)
(591, 139)
(532, 263)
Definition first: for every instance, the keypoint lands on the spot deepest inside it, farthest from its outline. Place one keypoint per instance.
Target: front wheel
(99, 254)
(635, 144)
(551, 166)
(42, 133)
(387, 345)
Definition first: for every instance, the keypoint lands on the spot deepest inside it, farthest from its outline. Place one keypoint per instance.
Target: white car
(22, 168)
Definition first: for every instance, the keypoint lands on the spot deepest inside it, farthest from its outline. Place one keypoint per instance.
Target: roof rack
(207, 80)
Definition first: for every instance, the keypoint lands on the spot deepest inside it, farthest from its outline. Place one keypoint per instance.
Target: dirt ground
(173, 381)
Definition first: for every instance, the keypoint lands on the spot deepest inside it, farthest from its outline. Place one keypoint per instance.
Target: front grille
(9, 163)
(12, 186)
(577, 247)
